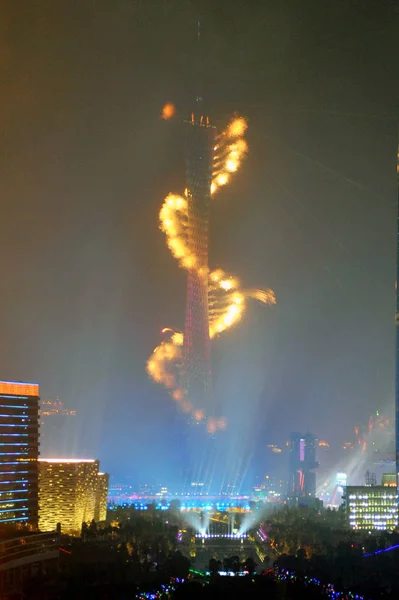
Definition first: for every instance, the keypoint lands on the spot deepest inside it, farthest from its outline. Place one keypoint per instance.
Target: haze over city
(87, 162)
(199, 247)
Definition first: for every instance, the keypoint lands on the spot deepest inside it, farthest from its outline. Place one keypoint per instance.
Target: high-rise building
(100, 512)
(71, 492)
(197, 353)
(197, 451)
(302, 465)
(19, 452)
(372, 507)
(388, 480)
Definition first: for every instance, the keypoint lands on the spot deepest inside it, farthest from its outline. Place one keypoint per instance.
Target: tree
(250, 565)
(214, 566)
(236, 564)
(84, 530)
(93, 527)
(232, 563)
(177, 565)
(175, 506)
(123, 552)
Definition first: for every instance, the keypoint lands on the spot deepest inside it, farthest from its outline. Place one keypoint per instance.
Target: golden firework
(226, 299)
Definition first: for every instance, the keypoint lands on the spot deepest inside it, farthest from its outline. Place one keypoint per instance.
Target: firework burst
(226, 299)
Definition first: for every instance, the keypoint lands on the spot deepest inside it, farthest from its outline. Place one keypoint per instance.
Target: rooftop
(19, 388)
(67, 460)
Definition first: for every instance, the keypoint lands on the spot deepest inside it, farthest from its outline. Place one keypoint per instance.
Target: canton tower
(200, 141)
(215, 300)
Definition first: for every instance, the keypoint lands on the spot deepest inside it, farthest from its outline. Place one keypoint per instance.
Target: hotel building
(71, 492)
(19, 451)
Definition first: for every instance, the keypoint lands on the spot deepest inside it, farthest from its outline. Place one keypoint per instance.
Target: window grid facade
(101, 497)
(19, 451)
(71, 492)
(372, 508)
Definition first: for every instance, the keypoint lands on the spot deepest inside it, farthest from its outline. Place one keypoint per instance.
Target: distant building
(57, 427)
(389, 480)
(71, 492)
(100, 512)
(302, 465)
(271, 489)
(19, 451)
(373, 507)
(53, 408)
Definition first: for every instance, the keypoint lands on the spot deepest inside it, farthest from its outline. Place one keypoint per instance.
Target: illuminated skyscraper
(19, 451)
(100, 513)
(71, 492)
(372, 507)
(197, 358)
(302, 465)
(215, 300)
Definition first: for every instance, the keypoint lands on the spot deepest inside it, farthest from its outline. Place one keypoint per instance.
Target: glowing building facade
(372, 508)
(100, 513)
(71, 492)
(19, 451)
(302, 465)
(197, 359)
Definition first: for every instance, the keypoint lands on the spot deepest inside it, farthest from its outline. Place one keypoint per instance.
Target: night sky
(85, 164)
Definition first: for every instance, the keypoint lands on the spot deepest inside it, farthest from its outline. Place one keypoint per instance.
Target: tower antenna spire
(199, 84)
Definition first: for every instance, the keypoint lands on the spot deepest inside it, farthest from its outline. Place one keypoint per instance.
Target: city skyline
(372, 446)
(83, 307)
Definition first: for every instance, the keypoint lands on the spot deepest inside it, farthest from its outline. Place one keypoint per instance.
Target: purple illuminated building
(302, 465)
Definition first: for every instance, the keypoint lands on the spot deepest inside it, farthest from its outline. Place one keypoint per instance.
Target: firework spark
(226, 299)
(168, 111)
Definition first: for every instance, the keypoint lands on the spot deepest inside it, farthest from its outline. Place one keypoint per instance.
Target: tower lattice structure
(200, 144)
